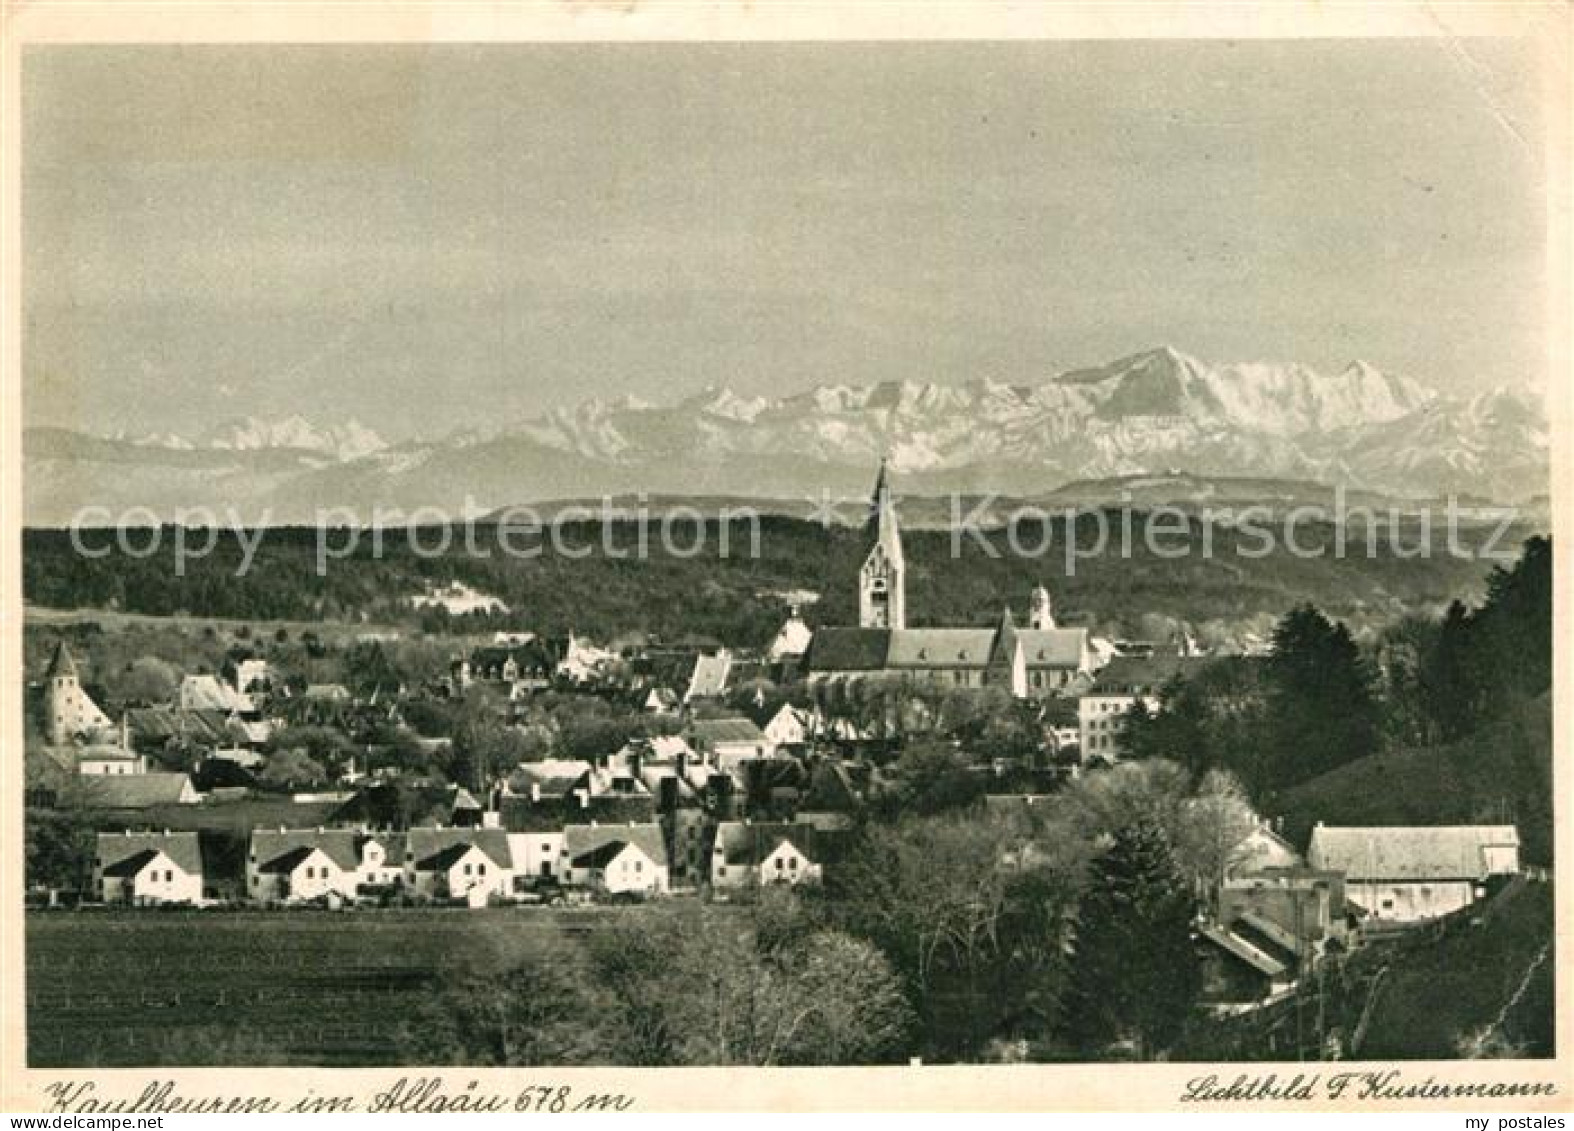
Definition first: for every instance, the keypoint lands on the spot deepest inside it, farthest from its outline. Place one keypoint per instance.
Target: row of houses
(472, 865)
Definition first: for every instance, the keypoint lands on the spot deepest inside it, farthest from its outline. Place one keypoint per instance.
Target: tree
(60, 848)
(291, 769)
(149, 680)
(1487, 660)
(852, 1006)
(933, 776)
(968, 910)
(1450, 683)
(1214, 718)
(1213, 825)
(545, 1008)
(1402, 653)
(327, 747)
(1322, 711)
(708, 986)
(1135, 974)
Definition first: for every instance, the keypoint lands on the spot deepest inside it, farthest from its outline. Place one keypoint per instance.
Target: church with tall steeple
(882, 582)
(1036, 661)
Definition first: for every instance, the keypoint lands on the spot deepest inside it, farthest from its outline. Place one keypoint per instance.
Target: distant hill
(741, 597)
(1219, 495)
(1501, 773)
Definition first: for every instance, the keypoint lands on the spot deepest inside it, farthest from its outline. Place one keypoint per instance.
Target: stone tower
(1041, 614)
(67, 710)
(882, 595)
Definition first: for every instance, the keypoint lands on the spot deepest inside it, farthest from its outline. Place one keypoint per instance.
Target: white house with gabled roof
(149, 868)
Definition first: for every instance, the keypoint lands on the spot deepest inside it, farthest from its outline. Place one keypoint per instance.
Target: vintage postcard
(575, 558)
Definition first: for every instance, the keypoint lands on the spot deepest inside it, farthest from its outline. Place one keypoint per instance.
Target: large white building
(1117, 688)
(1407, 874)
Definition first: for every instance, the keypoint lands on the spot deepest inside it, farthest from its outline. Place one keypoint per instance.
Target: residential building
(536, 856)
(449, 863)
(746, 853)
(789, 726)
(728, 741)
(791, 641)
(295, 865)
(206, 692)
(149, 868)
(1118, 687)
(1266, 931)
(708, 679)
(101, 758)
(616, 858)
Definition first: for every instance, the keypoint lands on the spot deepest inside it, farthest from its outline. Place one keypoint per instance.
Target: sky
(431, 238)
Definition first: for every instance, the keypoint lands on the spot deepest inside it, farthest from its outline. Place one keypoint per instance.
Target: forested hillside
(1233, 585)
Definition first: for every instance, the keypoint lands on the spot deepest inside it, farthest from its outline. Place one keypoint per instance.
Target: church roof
(1053, 647)
(872, 649)
(838, 649)
(61, 663)
(940, 647)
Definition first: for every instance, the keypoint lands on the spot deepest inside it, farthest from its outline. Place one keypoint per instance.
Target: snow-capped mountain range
(347, 441)
(1153, 411)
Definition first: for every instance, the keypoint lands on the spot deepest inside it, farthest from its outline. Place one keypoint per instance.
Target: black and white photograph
(774, 552)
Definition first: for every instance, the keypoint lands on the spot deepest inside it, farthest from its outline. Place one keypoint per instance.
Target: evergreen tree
(1487, 660)
(1135, 973)
(1515, 625)
(1449, 685)
(1322, 711)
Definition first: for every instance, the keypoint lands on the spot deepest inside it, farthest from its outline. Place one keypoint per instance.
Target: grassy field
(125, 988)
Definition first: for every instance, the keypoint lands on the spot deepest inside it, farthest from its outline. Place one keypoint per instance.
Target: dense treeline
(689, 587)
(1321, 702)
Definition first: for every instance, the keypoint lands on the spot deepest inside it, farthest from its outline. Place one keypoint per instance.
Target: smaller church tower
(68, 710)
(882, 596)
(1041, 614)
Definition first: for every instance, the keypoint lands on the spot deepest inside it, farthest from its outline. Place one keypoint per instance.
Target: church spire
(882, 599)
(61, 665)
(882, 513)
